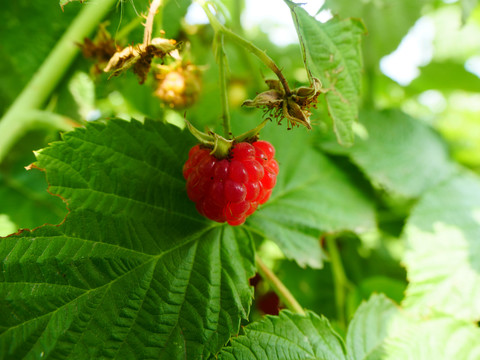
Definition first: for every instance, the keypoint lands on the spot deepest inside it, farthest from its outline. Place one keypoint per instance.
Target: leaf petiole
(340, 280)
(280, 289)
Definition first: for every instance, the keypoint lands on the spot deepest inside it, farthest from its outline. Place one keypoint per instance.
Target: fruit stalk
(50, 73)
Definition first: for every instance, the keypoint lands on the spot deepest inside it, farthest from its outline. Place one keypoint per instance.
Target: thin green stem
(267, 60)
(280, 289)
(341, 283)
(50, 73)
(222, 66)
(262, 55)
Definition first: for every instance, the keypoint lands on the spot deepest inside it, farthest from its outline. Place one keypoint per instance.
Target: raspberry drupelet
(231, 189)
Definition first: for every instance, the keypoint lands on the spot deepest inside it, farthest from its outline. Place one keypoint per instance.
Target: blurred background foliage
(421, 58)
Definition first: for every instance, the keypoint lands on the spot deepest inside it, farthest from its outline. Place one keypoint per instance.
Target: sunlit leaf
(381, 330)
(444, 76)
(443, 250)
(331, 52)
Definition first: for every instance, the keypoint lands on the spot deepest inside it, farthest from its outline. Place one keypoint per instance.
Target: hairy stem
(339, 278)
(147, 35)
(221, 58)
(37, 91)
(267, 60)
(280, 289)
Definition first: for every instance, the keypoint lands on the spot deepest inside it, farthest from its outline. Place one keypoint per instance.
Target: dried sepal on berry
(218, 145)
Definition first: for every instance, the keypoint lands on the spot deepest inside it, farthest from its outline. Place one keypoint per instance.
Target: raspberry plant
(218, 196)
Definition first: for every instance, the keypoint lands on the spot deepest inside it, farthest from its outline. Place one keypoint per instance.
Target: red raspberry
(231, 189)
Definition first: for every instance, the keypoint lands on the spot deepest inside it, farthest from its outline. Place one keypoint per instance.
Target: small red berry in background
(231, 189)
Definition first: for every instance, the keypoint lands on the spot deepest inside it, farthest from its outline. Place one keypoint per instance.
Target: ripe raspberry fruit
(231, 189)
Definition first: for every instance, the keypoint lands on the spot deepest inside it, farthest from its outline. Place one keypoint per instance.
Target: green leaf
(439, 338)
(381, 330)
(446, 76)
(401, 154)
(369, 328)
(287, 336)
(311, 196)
(134, 271)
(443, 250)
(387, 22)
(331, 52)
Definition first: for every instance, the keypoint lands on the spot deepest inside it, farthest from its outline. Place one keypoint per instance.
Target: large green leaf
(400, 154)
(288, 336)
(369, 328)
(134, 271)
(312, 196)
(331, 53)
(439, 338)
(443, 250)
(380, 330)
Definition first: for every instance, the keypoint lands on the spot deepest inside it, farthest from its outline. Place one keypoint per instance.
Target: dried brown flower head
(294, 107)
(139, 57)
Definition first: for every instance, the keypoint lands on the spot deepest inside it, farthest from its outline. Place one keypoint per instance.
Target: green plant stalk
(222, 66)
(262, 55)
(267, 60)
(339, 278)
(47, 77)
(280, 289)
